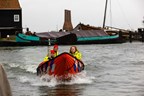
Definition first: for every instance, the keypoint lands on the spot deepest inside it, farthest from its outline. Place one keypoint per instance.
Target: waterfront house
(10, 18)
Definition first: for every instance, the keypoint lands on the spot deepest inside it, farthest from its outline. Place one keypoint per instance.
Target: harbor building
(10, 18)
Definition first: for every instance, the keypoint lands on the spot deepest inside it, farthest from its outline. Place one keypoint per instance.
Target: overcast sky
(48, 15)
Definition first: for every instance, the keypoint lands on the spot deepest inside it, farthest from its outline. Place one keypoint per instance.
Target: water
(111, 70)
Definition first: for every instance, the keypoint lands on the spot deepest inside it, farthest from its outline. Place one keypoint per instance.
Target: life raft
(63, 67)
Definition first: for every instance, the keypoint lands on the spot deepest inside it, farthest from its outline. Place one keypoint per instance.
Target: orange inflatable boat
(63, 67)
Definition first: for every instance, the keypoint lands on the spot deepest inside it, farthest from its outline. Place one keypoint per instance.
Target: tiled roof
(9, 4)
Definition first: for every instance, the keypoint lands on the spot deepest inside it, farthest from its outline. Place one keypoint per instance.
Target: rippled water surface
(111, 70)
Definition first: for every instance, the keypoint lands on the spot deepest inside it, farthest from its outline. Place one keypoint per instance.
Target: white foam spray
(51, 81)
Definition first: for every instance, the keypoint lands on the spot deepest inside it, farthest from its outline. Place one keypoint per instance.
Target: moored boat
(96, 37)
(34, 40)
(63, 67)
(61, 38)
(71, 37)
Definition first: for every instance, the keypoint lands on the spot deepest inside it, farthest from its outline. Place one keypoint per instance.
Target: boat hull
(63, 40)
(100, 40)
(63, 67)
(31, 40)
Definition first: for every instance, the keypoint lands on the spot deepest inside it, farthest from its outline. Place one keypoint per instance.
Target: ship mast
(105, 13)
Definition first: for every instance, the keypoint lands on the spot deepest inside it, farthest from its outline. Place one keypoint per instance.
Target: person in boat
(55, 48)
(53, 53)
(74, 51)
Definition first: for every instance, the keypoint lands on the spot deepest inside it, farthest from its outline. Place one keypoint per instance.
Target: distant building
(10, 17)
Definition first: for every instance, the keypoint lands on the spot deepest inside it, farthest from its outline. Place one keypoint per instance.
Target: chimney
(67, 23)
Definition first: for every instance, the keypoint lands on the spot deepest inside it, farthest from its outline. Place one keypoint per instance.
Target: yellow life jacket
(56, 54)
(46, 59)
(78, 55)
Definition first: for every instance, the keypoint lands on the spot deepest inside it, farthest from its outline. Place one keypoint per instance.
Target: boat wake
(51, 81)
(29, 76)
(26, 74)
(80, 78)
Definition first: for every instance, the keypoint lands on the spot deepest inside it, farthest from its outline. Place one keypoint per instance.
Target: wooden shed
(10, 17)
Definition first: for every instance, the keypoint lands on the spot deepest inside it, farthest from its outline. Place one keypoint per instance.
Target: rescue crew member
(53, 53)
(74, 51)
(55, 48)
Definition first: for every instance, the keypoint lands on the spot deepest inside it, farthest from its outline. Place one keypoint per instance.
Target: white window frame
(16, 18)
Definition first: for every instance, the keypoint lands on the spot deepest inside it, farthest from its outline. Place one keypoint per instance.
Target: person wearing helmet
(53, 53)
(55, 48)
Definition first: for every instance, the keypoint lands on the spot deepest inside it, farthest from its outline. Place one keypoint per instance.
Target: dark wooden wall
(7, 22)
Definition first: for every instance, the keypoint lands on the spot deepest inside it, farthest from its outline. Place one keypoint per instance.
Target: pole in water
(49, 43)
